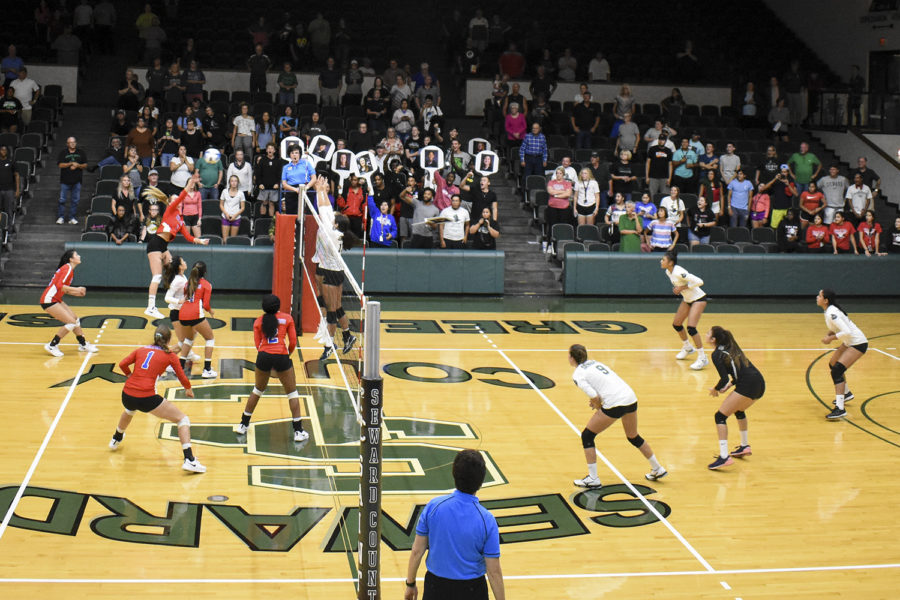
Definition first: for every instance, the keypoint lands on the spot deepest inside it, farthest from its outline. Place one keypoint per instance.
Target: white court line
(612, 468)
(886, 353)
(40, 452)
(530, 577)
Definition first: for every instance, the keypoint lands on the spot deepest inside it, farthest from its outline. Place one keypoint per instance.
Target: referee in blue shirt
(295, 176)
(462, 540)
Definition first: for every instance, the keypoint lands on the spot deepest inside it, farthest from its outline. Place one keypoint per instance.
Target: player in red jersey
(140, 393)
(158, 243)
(197, 294)
(269, 333)
(52, 303)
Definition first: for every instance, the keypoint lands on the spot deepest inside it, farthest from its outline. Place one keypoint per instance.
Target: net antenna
(370, 456)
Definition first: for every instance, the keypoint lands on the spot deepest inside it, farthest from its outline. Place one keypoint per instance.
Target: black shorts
(192, 322)
(751, 386)
(156, 244)
(192, 220)
(173, 315)
(142, 404)
(463, 589)
(335, 278)
(280, 362)
(46, 305)
(585, 211)
(320, 272)
(617, 412)
(703, 299)
(861, 347)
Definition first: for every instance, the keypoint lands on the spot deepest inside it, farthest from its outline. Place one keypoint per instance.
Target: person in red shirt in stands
(140, 393)
(512, 63)
(870, 234)
(52, 302)
(269, 333)
(818, 235)
(843, 235)
(352, 203)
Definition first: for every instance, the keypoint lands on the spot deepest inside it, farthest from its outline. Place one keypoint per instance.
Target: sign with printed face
(321, 148)
(431, 158)
(365, 165)
(477, 145)
(289, 141)
(486, 163)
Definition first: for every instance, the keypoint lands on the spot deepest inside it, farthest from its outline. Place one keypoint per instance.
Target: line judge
(462, 540)
(295, 177)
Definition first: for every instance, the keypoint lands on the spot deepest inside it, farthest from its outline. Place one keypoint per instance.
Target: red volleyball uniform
(276, 345)
(150, 362)
(173, 222)
(61, 278)
(199, 301)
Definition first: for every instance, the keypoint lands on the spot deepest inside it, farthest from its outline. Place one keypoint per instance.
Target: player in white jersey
(612, 399)
(853, 345)
(331, 237)
(693, 303)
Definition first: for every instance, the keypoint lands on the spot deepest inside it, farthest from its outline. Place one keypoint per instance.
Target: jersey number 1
(146, 363)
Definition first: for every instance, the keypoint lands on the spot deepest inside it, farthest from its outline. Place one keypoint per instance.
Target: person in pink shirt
(516, 126)
(446, 189)
(559, 206)
(192, 211)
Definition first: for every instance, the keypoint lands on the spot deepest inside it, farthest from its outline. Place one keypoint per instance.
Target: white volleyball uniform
(329, 257)
(845, 330)
(679, 276)
(597, 380)
(175, 293)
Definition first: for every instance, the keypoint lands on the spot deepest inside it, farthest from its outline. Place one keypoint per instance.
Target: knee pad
(740, 414)
(293, 395)
(129, 412)
(837, 373)
(637, 441)
(692, 331)
(71, 326)
(185, 422)
(331, 317)
(678, 328)
(587, 438)
(156, 278)
(339, 313)
(210, 343)
(257, 391)
(321, 300)
(187, 342)
(720, 418)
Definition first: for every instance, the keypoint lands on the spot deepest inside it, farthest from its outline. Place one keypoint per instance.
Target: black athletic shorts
(173, 315)
(861, 347)
(280, 362)
(752, 386)
(617, 412)
(455, 589)
(335, 278)
(142, 404)
(156, 244)
(192, 322)
(46, 305)
(585, 211)
(191, 220)
(703, 299)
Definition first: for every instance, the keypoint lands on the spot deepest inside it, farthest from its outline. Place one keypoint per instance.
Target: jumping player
(612, 399)
(693, 303)
(197, 296)
(53, 305)
(158, 243)
(736, 370)
(269, 332)
(140, 393)
(853, 345)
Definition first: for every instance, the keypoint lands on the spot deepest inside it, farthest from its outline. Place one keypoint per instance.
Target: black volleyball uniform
(747, 379)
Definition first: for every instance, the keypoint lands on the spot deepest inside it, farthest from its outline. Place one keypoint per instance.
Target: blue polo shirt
(740, 193)
(461, 533)
(298, 174)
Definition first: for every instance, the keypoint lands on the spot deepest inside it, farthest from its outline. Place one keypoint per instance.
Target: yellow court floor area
(807, 515)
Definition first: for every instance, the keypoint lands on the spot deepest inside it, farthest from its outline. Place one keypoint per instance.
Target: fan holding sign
(431, 159)
(321, 148)
(364, 166)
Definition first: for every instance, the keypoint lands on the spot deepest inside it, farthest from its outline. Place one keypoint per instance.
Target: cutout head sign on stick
(477, 145)
(431, 159)
(486, 163)
(289, 141)
(321, 148)
(365, 165)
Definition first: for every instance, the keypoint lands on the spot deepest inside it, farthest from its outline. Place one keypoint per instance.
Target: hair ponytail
(161, 338)
(831, 297)
(66, 257)
(270, 305)
(197, 273)
(171, 270)
(725, 339)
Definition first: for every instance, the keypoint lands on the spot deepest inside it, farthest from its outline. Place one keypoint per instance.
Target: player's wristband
(410, 585)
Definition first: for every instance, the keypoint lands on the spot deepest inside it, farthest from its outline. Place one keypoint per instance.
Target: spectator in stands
(287, 84)
(616, 210)
(429, 87)
(315, 127)
(624, 103)
(458, 160)
(265, 132)
(843, 235)
(729, 163)
(72, 162)
(115, 155)
(805, 167)
(258, 64)
(658, 130)
(674, 205)
(780, 120)
(330, 84)
(342, 41)
(401, 90)
(660, 235)
(749, 106)
(566, 66)
(68, 47)
(376, 112)
(10, 109)
(598, 68)
(812, 202)
(351, 202)
(421, 227)
(696, 145)
(713, 192)
(211, 173)
(122, 225)
(378, 84)
(533, 152)
(672, 107)
(629, 135)
(587, 198)
(27, 91)
(480, 198)
(542, 84)
(484, 232)
(10, 183)
(630, 230)
(834, 187)
(194, 80)
(383, 231)
(687, 64)
(432, 119)
(150, 223)
(559, 207)
(585, 120)
(267, 180)
(479, 29)
(174, 88)
(361, 139)
(739, 191)
(141, 137)
(120, 125)
(623, 176)
(818, 236)
(181, 167)
(770, 168)
(869, 177)
(515, 126)
(413, 145)
(403, 120)
(241, 169)
(892, 239)
(259, 33)
(232, 203)
(10, 65)
(125, 196)
(793, 87)
(287, 122)
(167, 142)
(319, 30)
(859, 200)
(760, 206)
(701, 219)
(133, 167)
(154, 38)
(392, 144)
(512, 62)
(540, 111)
(684, 160)
(454, 233)
(193, 139)
(708, 161)
(870, 234)
(144, 22)
(157, 79)
(789, 233)
(857, 85)
(243, 135)
(147, 113)
(646, 209)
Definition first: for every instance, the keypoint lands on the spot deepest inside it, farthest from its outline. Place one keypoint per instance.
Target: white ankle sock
(654, 464)
(723, 448)
(839, 400)
(592, 470)
(745, 438)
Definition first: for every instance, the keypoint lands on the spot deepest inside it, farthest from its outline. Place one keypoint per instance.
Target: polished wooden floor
(808, 515)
